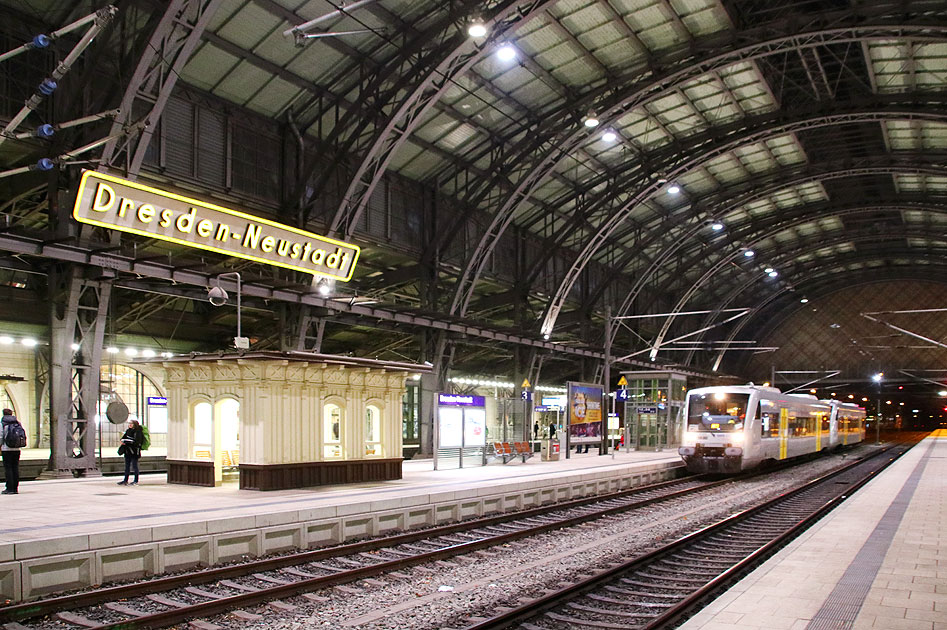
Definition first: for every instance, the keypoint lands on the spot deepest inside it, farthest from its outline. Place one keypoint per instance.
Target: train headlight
(737, 438)
(733, 451)
(686, 451)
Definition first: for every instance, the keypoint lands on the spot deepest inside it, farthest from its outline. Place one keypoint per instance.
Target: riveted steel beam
(161, 63)
(562, 132)
(682, 162)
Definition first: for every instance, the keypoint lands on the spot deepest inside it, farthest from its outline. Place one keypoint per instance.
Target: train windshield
(719, 411)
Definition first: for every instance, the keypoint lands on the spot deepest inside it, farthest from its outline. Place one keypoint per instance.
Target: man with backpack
(14, 438)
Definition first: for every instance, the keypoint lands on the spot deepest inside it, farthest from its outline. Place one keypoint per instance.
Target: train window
(769, 425)
(720, 411)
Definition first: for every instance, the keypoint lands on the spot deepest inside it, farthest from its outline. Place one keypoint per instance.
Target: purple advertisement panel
(585, 413)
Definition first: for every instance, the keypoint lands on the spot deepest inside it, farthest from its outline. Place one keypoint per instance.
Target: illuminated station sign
(119, 204)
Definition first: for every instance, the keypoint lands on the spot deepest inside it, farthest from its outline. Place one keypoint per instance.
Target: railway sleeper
(610, 612)
(691, 569)
(661, 587)
(630, 593)
(669, 576)
(625, 602)
(584, 622)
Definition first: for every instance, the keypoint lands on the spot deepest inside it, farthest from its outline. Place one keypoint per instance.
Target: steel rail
(556, 598)
(28, 610)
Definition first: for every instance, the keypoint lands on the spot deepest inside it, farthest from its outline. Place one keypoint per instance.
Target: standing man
(11, 454)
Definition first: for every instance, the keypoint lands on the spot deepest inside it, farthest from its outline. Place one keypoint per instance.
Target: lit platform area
(33, 461)
(73, 533)
(879, 561)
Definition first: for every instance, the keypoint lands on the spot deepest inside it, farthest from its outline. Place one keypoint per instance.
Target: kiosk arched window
(373, 446)
(202, 420)
(332, 431)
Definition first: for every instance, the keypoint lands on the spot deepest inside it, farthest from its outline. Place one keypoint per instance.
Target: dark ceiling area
(731, 188)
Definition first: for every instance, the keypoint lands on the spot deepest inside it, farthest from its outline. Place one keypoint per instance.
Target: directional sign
(621, 394)
(526, 384)
(623, 382)
(526, 394)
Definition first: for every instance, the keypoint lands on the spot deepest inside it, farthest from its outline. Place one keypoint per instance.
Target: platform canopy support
(79, 309)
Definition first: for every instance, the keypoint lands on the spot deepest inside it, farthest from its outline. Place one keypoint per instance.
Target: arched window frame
(333, 447)
(375, 445)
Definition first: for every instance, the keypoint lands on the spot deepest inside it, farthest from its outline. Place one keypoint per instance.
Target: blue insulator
(41, 41)
(44, 164)
(47, 87)
(44, 131)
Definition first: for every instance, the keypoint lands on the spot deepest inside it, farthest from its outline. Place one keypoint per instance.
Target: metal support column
(77, 324)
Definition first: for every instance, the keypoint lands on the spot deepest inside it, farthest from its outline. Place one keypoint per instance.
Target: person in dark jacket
(132, 440)
(11, 455)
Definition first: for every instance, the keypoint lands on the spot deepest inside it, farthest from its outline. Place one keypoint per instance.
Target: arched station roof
(497, 222)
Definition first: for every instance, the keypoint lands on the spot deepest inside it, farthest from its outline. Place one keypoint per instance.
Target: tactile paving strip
(846, 599)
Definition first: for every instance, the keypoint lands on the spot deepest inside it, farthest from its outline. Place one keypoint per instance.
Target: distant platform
(100, 532)
(878, 561)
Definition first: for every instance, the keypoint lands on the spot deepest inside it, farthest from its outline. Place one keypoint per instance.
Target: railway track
(664, 587)
(165, 601)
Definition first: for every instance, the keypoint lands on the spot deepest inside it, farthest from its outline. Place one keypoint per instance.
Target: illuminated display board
(119, 204)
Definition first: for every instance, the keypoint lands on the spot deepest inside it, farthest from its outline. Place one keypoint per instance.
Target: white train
(732, 428)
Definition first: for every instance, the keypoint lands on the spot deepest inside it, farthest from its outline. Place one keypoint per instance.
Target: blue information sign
(621, 394)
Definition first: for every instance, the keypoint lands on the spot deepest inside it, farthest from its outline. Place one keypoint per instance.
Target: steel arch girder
(809, 174)
(695, 211)
(402, 123)
(805, 213)
(615, 216)
(616, 101)
(724, 263)
(163, 59)
(450, 56)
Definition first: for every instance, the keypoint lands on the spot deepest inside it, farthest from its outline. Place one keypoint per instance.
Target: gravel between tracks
(446, 594)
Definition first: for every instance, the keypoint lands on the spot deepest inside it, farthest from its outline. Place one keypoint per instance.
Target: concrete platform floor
(878, 562)
(68, 507)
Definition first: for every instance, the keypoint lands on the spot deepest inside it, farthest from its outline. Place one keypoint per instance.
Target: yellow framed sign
(118, 204)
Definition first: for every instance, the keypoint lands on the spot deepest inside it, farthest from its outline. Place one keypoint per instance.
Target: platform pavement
(60, 535)
(64, 507)
(877, 562)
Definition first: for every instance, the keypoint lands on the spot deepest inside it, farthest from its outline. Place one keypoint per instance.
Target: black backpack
(16, 436)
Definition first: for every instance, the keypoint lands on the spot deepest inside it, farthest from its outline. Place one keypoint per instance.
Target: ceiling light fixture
(804, 301)
(767, 270)
(609, 136)
(506, 52)
(716, 227)
(674, 189)
(591, 121)
(477, 28)
(28, 342)
(773, 274)
(749, 253)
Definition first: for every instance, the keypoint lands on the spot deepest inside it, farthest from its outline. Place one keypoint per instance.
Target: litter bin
(549, 451)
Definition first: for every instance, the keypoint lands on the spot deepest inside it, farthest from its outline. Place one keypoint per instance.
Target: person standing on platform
(132, 440)
(11, 454)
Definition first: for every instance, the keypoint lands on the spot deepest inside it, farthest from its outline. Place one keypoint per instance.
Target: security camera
(217, 296)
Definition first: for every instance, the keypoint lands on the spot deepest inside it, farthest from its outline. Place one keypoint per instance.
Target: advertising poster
(585, 413)
(451, 422)
(475, 425)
